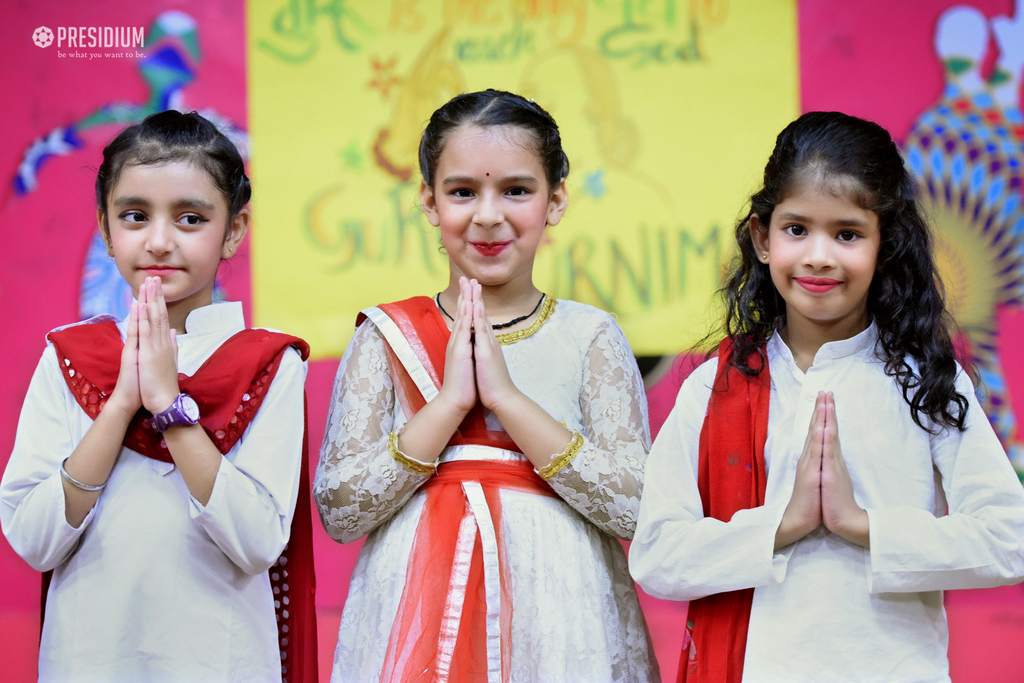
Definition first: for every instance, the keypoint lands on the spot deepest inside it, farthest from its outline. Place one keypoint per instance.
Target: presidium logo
(93, 37)
(42, 36)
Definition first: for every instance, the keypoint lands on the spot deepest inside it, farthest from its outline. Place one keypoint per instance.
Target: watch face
(189, 408)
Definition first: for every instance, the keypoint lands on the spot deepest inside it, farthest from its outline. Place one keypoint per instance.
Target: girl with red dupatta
(490, 440)
(158, 460)
(822, 481)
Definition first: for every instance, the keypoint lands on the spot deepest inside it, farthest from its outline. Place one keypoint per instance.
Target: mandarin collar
(831, 350)
(219, 316)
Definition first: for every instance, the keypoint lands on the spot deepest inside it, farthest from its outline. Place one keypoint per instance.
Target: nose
(160, 237)
(818, 254)
(489, 212)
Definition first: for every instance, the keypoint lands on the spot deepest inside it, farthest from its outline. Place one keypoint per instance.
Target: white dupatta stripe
(403, 349)
(492, 576)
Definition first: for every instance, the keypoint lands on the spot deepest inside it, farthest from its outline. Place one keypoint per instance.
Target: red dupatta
(454, 617)
(731, 477)
(229, 389)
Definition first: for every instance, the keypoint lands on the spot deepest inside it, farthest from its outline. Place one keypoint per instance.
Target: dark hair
(494, 108)
(174, 136)
(905, 297)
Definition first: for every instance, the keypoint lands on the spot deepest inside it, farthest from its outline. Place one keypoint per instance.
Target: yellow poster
(668, 111)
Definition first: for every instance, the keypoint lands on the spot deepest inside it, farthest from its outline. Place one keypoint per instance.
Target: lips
(490, 248)
(160, 271)
(818, 285)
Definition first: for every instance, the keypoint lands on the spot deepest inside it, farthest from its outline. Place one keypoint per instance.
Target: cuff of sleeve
(404, 460)
(56, 494)
(559, 462)
(896, 535)
(780, 558)
(199, 511)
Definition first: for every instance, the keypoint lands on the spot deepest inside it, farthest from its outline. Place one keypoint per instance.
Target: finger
(152, 303)
(174, 342)
(143, 311)
(812, 425)
(133, 326)
(484, 323)
(161, 303)
(832, 416)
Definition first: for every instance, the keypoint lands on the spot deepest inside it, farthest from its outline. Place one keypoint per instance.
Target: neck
(804, 337)
(176, 318)
(502, 302)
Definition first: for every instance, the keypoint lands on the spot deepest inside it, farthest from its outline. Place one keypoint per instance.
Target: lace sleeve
(604, 481)
(358, 484)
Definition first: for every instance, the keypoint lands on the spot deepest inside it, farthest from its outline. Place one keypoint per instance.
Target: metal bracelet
(77, 484)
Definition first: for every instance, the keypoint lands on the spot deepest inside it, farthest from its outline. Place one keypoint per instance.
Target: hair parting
(171, 136)
(494, 108)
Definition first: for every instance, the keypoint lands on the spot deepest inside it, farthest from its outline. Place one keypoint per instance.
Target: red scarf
(731, 477)
(229, 389)
(430, 639)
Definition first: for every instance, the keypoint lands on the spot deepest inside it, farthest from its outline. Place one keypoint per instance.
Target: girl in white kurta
(557, 400)
(160, 501)
(849, 528)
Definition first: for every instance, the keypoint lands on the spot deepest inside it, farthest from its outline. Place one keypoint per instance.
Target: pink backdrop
(872, 58)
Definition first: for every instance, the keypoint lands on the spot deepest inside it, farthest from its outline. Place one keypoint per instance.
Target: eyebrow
(462, 179)
(186, 203)
(842, 222)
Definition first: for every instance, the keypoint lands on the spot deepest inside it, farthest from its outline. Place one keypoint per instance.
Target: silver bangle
(77, 484)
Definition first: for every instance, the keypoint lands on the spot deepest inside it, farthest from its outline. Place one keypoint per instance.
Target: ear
(558, 202)
(429, 204)
(101, 220)
(236, 233)
(759, 235)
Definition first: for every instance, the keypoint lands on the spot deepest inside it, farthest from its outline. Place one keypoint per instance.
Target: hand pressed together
(823, 489)
(474, 363)
(158, 349)
(475, 370)
(149, 362)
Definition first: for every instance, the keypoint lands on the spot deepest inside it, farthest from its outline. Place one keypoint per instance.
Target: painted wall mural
(967, 152)
(651, 98)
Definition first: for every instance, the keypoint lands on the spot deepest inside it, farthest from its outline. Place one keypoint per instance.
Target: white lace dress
(576, 616)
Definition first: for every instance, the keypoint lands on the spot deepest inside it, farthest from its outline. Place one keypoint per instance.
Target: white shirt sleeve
(31, 493)
(249, 514)
(677, 553)
(980, 543)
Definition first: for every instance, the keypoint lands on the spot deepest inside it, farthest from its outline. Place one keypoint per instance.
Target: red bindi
(488, 174)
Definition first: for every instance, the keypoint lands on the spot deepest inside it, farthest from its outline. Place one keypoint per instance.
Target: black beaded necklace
(510, 323)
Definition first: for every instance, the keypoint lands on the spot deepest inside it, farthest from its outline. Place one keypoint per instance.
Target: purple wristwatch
(184, 411)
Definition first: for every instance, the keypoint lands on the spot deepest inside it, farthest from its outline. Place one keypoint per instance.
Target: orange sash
(731, 477)
(454, 618)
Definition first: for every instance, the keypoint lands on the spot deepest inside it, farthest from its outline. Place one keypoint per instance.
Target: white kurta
(154, 586)
(825, 609)
(575, 612)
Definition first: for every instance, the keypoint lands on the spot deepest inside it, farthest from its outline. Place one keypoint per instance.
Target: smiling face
(492, 202)
(169, 220)
(822, 251)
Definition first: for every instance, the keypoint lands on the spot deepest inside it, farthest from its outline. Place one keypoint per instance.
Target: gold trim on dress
(545, 312)
(559, 462)
(403, 459)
